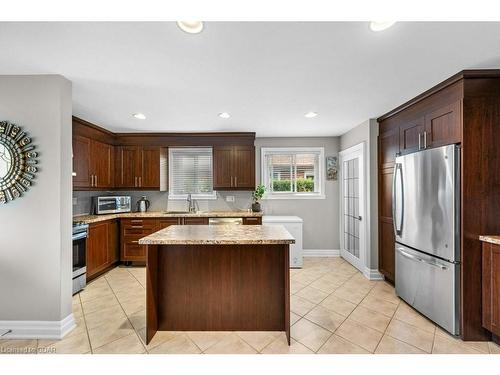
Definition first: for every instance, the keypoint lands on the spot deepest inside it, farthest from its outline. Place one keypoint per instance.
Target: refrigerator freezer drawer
(429, 285)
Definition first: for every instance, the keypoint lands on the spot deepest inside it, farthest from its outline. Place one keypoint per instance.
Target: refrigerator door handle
(413, 257)
(397, 230)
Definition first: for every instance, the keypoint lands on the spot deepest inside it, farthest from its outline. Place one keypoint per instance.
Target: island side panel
(151, 291)
(222, 287)
(286, 264)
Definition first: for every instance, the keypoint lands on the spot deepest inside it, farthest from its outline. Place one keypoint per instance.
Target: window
(190, 172)
(290, 173)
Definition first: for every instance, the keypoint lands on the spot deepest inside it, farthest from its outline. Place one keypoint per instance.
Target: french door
(352, 206)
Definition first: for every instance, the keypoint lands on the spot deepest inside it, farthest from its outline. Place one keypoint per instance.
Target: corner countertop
(220, 235)
(89, 219)
(491, 239)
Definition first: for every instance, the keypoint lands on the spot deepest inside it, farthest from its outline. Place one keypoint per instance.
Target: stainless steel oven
(80, 233)
(111, 204)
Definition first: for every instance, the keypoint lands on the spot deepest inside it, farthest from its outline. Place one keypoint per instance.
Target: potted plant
(257, 196)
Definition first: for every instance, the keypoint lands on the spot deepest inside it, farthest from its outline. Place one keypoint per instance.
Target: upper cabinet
(105, 160)
(234, 167)
(410, 136)
(138, 167)
(92, 163)
(443, 126)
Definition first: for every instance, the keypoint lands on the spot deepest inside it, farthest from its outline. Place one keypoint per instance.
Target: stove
(80, 234)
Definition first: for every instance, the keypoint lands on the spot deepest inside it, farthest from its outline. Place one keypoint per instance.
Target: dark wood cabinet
(138, 167)
(102, 247)
(411, 136)
(168, 221)
(443, 126)
(97, 248)
(81, 162)
(252, 220)
(491, 287)
(388, 147)
(195, 221)
(102, 164)
(464, 110)
(93, 163)
(132, 230)
(234, 167)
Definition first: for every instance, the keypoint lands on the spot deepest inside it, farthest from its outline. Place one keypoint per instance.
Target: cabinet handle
(137, 226)
(425, 139)
(235, 181)
(231, 181)
(419, 141)
(136, 221)
(95, 180)
(135, 181)
(140, 181)
(134, 241)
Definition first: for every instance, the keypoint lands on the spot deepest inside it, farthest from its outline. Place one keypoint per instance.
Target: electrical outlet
(230, 198)
(75, 201)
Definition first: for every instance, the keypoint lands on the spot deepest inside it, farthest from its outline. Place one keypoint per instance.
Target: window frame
(171, 196)
(293, 150)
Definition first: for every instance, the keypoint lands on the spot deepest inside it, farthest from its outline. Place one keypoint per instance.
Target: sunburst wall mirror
(18, 162)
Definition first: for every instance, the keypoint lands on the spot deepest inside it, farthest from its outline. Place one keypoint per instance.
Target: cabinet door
(129, 161)
(386, 228)
(222, 162)
(102, 164)
(167, 221)
(409, 135)
(195, 221)
(443, 127)
(150, 165)
(81, 162)
(97, 248)
(113, 242)
(491, 287)
(388, 147)
(244, 167)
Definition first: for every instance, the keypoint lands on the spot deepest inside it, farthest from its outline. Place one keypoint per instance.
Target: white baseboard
(372, 274)
(321, 253)
(30, 329)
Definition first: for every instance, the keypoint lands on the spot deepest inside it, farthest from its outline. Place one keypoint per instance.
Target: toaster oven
(111, 205)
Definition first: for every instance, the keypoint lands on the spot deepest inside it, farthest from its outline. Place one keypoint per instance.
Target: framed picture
(331, 167)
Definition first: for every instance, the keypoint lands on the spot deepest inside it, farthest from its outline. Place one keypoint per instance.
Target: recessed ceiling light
(224, 115)
(139, 116)
(191, 27)
(381, 25)
(310, 114)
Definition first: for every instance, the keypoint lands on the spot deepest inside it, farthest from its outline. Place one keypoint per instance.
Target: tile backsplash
(160, 202)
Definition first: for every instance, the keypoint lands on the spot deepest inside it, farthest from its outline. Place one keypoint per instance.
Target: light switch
(75, 201)
(230, 198)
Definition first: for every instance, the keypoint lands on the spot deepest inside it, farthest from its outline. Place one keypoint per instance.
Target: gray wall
(367, 132)
(35, 240)
(320, 215)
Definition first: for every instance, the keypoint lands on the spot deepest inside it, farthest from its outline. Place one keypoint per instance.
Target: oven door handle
(79, 236)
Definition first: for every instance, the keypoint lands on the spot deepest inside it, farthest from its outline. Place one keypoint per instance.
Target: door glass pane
(351, 194)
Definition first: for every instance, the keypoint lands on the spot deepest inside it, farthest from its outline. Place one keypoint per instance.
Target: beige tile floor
(334, 310)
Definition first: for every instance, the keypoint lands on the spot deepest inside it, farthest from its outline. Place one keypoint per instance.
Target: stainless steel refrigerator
(426, 213)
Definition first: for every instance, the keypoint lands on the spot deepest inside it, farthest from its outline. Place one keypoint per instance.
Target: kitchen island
(218, 278)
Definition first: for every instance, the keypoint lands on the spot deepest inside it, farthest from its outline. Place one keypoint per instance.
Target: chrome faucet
(192, 203)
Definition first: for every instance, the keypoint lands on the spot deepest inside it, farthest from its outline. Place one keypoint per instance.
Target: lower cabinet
(131, 231)
(491, 287)
(102, 247)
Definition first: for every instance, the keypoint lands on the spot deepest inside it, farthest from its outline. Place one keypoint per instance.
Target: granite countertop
(219, 235)
(88, 219)
(491, 239)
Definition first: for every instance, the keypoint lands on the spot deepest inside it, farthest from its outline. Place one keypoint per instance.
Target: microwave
(111, 205)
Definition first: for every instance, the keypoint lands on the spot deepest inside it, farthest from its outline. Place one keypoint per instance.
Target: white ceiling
(266, 75)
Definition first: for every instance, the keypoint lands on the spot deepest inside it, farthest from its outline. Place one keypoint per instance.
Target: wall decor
(18, 162)
(331, 167)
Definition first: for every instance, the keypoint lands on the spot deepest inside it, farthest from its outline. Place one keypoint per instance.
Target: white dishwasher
(293, 224)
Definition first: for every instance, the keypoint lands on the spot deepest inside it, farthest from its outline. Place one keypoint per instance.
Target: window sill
(294, 196)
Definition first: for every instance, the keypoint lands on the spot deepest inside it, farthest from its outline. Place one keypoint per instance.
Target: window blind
(190, 171)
